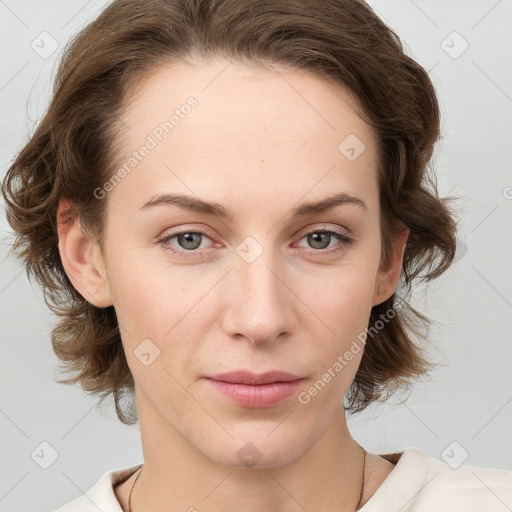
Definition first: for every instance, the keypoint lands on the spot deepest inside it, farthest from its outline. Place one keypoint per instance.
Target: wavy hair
(72, 152)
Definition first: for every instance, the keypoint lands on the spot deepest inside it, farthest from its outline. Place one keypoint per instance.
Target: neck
(325, 476)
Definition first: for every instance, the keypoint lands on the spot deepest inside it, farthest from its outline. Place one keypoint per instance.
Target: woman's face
(259, 288)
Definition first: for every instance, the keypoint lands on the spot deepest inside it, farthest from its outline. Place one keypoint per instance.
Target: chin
(255, 451)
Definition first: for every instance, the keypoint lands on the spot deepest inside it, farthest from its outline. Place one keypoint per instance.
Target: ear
(388, 277)
(82, 259)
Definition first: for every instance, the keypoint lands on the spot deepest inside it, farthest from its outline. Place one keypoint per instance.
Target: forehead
(248, 127)
(246, 100)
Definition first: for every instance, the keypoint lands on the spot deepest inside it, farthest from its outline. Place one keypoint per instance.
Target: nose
(259, 301)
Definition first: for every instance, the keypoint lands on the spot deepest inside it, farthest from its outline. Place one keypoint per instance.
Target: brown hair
(70, 155)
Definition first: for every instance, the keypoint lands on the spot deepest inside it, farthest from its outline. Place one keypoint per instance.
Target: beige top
(418, 483)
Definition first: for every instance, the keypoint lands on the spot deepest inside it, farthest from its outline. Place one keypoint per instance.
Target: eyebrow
(216, 209)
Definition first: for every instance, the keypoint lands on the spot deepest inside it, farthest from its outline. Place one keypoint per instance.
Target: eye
(320, 241)
(188, 244)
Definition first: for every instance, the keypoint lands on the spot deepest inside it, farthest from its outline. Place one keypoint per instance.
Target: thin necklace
(358, 504)
(362, 479)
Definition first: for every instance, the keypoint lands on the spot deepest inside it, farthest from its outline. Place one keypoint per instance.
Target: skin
(258, 143)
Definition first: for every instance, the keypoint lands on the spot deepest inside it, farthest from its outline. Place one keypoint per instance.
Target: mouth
(254, 379)
(255, 391)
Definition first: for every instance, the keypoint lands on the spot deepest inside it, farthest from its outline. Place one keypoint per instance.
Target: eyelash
(193, 253)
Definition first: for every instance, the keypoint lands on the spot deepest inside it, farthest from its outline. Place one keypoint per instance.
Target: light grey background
(469, 399)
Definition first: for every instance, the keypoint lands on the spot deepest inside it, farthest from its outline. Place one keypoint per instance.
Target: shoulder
(101, 495)
(466, 487)
(420, 483)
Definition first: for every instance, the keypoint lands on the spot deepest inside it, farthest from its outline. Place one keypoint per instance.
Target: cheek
(133, 295)
(156, 299)
(342, 299)
(156, 314)
(344, 309)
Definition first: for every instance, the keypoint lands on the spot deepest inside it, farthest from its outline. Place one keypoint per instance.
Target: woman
(219, 203)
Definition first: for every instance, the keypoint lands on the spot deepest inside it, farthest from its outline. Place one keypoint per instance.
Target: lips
(254, 379)
(256, 391)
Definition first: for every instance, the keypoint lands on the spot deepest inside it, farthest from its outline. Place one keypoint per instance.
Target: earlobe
(387, 278)
(82, 260)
